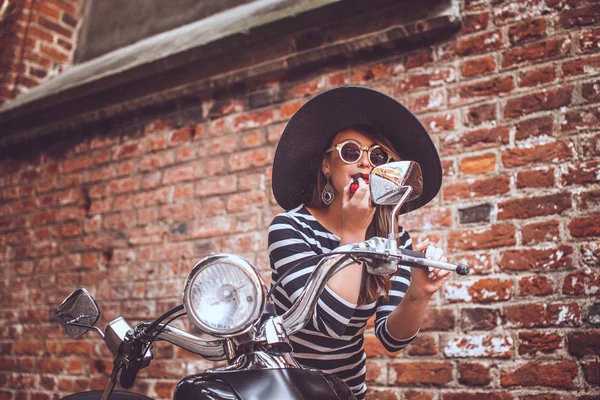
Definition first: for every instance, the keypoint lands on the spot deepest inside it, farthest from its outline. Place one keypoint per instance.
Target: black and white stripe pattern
(333, 339)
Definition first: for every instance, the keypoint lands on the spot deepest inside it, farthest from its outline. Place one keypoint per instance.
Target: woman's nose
(364, 160)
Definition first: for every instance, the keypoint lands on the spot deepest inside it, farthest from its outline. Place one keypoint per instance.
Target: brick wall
(513, 104)
(36, 42)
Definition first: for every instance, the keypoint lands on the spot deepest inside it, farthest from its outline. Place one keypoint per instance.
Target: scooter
(225, 297)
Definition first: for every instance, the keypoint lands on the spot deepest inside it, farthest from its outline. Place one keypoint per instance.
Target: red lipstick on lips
(354, 185)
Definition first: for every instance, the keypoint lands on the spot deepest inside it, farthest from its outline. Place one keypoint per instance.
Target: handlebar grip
(412, 253)
(462, 269)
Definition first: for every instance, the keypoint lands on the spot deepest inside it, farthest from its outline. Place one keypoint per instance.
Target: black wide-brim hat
(305, 137)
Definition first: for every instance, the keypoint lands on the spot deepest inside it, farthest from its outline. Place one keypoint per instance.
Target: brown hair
(372, 286)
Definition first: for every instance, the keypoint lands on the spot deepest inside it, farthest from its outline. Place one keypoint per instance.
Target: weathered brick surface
(512, 103)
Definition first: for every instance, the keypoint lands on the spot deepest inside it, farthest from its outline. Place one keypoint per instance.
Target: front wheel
(97, 395)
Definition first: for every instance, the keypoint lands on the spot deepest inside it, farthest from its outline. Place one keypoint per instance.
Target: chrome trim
(252, 274)
(259, 360)
(213, 350)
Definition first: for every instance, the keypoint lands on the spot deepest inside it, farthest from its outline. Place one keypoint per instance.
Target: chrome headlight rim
(250, 271)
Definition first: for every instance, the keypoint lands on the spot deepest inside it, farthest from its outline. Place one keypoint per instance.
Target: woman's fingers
(434, 253)
(422, 246)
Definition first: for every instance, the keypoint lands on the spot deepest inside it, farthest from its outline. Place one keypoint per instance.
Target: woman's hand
(429, 282)
(357, 212)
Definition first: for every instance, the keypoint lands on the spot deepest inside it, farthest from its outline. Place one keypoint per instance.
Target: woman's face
(340, 172)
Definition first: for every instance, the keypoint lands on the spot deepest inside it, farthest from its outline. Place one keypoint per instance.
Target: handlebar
(302, 310)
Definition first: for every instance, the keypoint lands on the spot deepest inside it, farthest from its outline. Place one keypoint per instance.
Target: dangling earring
(327, 195)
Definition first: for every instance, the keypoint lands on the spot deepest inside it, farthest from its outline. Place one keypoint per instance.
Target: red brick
(539, 232)
(542, 315)
(471, 92)
(534, 206)
(180, 136)
(365, 73)
(482, 290)
(429, 101)
(536, 51)
(540, 153)
(184, 173)
(590, 254)
(535, 286)
(583, 343)
(543, 342)
(437, 319)
(28, 348)
(585, 227)
(475, 140)
(156, 161)
(538, 76)
(582, 283)
(212, 227)
(77, 164)
(487, 238)
(547, 99)
(52, 365)
(506, 13)
(474, 22)
(559, 257)
(423, 345)
(482, 346)
(54, 27)
(591, 370)
(479, 43)
(539, 126)
(418, 58)
(537, 178)
(581, 65)
(252, 139)
(579, 17)
(480, 114)
(483, 187)
(409, 82)
(557, 375)
(478, 66)
(287, 110)
(587, 200)
(590, 40)
(478, 164)
(251, 159)
(128, 150)
(434, 373)
(253, 119)
(474, 374)
(477, 396)
(581, 119)
(304, 89)
(526, 30)
(216, 186)
(591, 91)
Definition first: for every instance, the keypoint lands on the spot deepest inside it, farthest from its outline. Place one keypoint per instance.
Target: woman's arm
(407, 318)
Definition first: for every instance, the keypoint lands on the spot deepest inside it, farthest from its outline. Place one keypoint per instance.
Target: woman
(334, 136)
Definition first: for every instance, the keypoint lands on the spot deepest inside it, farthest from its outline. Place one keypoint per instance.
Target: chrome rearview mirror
(396, 181)
(393, 184)
(78, 313)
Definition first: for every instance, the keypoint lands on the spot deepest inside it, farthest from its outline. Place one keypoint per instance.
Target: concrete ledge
(260, 40)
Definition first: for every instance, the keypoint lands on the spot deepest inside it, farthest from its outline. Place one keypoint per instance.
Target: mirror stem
(89, 328)
(392, 242)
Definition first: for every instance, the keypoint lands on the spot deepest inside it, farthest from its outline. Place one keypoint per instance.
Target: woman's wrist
(415, 294)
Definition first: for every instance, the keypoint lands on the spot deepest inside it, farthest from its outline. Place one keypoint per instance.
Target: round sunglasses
(351, 151)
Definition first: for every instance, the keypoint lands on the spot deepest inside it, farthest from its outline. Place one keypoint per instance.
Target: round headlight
(224, 295)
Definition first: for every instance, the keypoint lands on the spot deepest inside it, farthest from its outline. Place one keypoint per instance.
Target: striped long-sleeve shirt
(333, 341)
